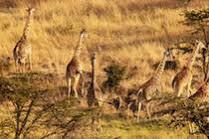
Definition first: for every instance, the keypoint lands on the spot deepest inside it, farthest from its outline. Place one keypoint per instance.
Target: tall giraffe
(148, 90)
(75, 67)
(184, 77)
(22, 52)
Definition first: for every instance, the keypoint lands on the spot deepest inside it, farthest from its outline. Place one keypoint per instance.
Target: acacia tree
(199, 21)
(28, 107)
(34, 113)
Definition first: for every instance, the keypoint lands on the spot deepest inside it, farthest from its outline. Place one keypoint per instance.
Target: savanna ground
(128, 33)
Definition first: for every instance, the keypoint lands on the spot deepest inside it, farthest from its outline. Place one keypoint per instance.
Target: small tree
(199, 21)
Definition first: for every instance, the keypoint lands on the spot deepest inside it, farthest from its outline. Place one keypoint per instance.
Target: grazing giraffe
(184, 77)
(201, 95)
(148, 90)
(75, 68)
(22, 52)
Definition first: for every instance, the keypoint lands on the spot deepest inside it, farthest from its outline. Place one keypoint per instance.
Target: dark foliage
(115, 74)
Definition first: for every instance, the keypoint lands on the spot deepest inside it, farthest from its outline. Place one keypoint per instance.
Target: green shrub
(115, 74)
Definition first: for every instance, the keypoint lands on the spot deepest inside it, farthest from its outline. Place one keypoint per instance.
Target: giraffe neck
(93, 78)
(27, 25)
(79, 46)
(193, 57)
(160, 69)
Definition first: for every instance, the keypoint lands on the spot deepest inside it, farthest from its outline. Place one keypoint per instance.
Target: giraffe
(184, 77)
(202, 92)
(201, 95)
(75, 67)
(22, 51)
(148, 90)
(91, 95)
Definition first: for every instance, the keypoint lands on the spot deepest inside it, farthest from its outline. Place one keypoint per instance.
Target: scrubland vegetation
(128, 36)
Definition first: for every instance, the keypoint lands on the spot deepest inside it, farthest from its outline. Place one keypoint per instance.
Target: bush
(115, 74)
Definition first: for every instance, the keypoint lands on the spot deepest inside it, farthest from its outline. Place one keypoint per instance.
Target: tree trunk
(18, 113)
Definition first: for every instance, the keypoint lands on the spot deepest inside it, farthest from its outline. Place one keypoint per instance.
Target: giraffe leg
(24, 67)
(68, 86)
(75, 85)
(189, 87)
(148, 110)
(139, 109)
(30, 62)
(188, 91)
(16, 66)
(21, 68)
(82, 86)
(191, 129)
(159, 88)
(179, 91)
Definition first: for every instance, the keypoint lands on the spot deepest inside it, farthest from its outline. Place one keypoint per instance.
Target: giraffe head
(93, 56)
(168, 54)
(30, 10)
(83, 33)
(200, 44)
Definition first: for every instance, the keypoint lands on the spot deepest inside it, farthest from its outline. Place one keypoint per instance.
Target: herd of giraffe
(23, 51)
(181, 80)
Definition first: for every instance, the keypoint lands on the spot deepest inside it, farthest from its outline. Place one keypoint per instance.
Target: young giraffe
(148, 89)
(75, 67)
(184, 77)
(23, 50)
(91, 95)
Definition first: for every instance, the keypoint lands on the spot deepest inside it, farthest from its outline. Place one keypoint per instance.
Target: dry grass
(128, 32)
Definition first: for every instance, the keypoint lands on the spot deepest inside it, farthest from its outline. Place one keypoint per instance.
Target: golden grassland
(126, 32)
